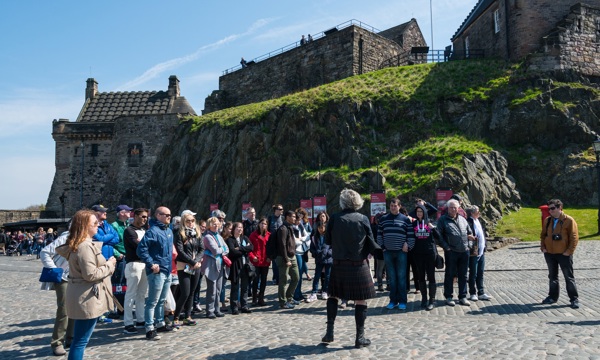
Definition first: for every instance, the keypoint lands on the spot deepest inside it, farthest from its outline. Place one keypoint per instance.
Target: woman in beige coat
(89, 293)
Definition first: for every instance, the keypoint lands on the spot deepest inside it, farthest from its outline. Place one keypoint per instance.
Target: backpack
(271, 246)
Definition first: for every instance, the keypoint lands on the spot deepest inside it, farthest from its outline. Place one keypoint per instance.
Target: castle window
(496, 21)
(94, 150)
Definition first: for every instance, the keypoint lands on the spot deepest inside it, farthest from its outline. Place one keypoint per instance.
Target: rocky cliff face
(540, 140)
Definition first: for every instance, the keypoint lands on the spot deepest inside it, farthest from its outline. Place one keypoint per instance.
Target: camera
(556, 237)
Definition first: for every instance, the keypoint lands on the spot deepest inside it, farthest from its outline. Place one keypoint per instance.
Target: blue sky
(50, 48)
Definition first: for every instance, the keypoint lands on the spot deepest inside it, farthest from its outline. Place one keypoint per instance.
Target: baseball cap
(99, 208)
(188, 212)
(123, 207)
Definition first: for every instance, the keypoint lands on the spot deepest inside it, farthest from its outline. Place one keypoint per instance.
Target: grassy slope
(526, 223)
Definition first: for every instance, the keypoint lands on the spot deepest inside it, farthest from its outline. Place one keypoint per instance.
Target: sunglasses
(552, 208)
(167, 215)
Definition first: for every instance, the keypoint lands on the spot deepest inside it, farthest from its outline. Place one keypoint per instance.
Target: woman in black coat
(239, 248)
(190, 249)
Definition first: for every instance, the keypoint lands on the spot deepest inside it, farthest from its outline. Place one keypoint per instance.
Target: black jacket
(350, 237)
(238, 256)
(424, 234)
(191, 252)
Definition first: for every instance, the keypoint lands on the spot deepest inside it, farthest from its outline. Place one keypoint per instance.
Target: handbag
(439, 262)
(51, 275)
(226, 261)
(250, 269)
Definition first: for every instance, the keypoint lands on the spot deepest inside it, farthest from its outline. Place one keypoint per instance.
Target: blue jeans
(395, 262)
(457, 264)
(318, 271)
(82, 331)
(476, 268)
(154, 311)
(298, 292)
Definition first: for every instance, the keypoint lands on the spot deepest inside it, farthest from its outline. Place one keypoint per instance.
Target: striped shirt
(394, 231)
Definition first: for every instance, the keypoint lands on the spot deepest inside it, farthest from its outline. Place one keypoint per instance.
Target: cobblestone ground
(513, 325)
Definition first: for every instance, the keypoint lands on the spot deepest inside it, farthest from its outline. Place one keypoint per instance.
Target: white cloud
(160, 68)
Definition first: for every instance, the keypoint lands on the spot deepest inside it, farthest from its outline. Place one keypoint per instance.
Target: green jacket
(120, 228)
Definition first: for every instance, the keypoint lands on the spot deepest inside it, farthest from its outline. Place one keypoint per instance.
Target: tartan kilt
(351, 282)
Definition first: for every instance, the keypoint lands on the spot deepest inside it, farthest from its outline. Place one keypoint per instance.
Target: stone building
(513, 29)
(335, 54)
(106, 156)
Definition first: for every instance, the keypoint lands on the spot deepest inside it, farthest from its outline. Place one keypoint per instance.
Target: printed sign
(245, 206)
(307, 204)
(378, 204)
(442, 195)
(319, 204)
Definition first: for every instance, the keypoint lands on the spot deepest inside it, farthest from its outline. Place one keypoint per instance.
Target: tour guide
(351, 240)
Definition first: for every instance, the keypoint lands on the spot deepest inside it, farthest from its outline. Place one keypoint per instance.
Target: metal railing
(432, 56)
(297, 43)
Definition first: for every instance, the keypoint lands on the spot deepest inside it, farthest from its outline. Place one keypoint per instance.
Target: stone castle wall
(9, 216)
(528, 21)
(338, 55)
(123, 151)
(575, 46)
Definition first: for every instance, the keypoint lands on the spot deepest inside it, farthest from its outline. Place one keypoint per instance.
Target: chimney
(91, 89)
(173, 86)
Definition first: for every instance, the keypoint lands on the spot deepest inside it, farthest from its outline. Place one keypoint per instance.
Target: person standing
(258, 256)
(396, 237)
(424, 254)
(559, 239)
(477, 259)
(349, 235)
(190, 249)
(239, 248)
(213, 267)
(63, 326)
(455, 235)
(135, 272)
(286, 261)
(106, 234)
(275, 220)
(156, 251)
(89, 293)
(250, 223)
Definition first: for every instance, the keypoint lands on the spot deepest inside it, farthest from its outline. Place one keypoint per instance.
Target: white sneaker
(324, 296)
(312, 297)
(474, 298)
(464, 302)
(485, 297)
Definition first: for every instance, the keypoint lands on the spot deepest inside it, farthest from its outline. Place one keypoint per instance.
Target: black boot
(431, 304)
(360, 315)
(332, 308)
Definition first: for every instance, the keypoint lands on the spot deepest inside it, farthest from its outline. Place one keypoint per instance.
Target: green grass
(526, 224)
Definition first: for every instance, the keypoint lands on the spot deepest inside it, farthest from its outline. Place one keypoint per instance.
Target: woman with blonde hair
(213, 266)
(89, 293)
(190, 250)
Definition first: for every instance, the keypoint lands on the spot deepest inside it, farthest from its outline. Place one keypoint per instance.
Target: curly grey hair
(350, 199)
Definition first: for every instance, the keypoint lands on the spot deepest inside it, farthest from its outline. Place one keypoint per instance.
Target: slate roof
(477, 10)
(107, 106)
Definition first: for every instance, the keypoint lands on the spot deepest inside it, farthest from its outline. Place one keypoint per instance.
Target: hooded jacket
(156, 247)
(424, 234)
(109, 237)
(89, 294)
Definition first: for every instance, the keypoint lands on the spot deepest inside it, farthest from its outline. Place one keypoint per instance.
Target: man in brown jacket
(286, 261)
(559, 239)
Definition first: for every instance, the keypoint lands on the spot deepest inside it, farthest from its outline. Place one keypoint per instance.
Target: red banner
(307, 204)
(319, 204)
(214, 207)
(378, 204)
(245, 206)
(442, 195)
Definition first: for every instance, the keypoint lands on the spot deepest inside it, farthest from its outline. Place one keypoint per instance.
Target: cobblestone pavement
(513, 325)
